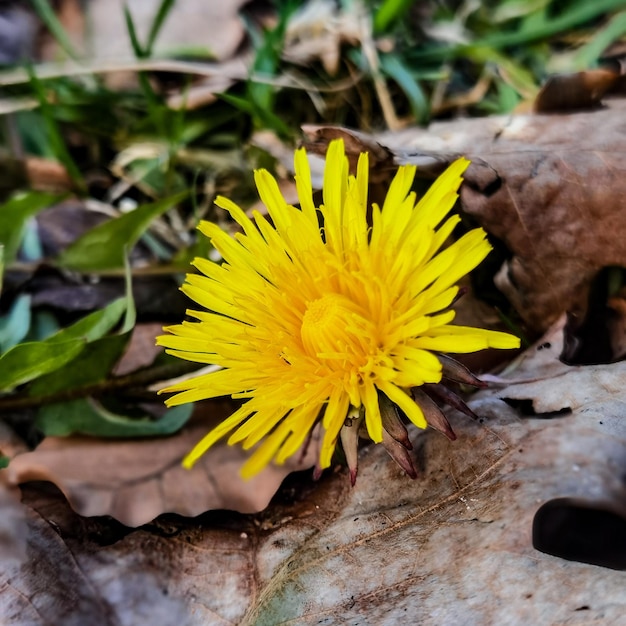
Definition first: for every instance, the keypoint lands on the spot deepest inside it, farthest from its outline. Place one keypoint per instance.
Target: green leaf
(32, 131)
(4, 462)
(93, 326)
(91, 366)
(88, 417)
(28, 361)
(15, 324)
(96, 361)
(103, 246)
(14, 216)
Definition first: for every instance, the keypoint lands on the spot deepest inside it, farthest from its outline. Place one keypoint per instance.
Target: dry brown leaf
(10, 444)
(56, 583)
(318, 137)
(203, 91)
(317, 30)
(141, 350)
(617, 324)
(464, 532)
(72, 19)
(191, 26)
(18, 31)
(12, 516)
(12, 532)
(569, 387)
(576, 91)
(135, 481)
(539, 362)
(453, 547)
(550, 187)
(82, 571)
(46, 175)
(214, 26)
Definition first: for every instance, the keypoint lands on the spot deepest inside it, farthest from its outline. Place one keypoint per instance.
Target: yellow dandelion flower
(312, 323)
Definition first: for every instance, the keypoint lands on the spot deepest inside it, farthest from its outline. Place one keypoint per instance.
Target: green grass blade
(48, 17)
(389, 12)
(55, 137)
(164, 10)
(393, 67)
(138, 49)
(566, 20)
(589, 53)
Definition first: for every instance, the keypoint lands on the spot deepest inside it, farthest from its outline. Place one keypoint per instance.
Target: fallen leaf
(579, 90)
(18, 29)
(12, 529)
(141, 350)
(10, 444)
(63, 222)
(47, 175)
(575, 388)
(540, 361)
(191, 28)
(56, 583)
(463, 531)
(12, 514)
(95, 571)
(205, 91)
(317, 30)
(155, 296)
(617, 324)
(452, 547)
(318, 137)
(549, 187)
(134, 481)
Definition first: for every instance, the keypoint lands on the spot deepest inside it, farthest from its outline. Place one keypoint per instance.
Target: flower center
(329, 325)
